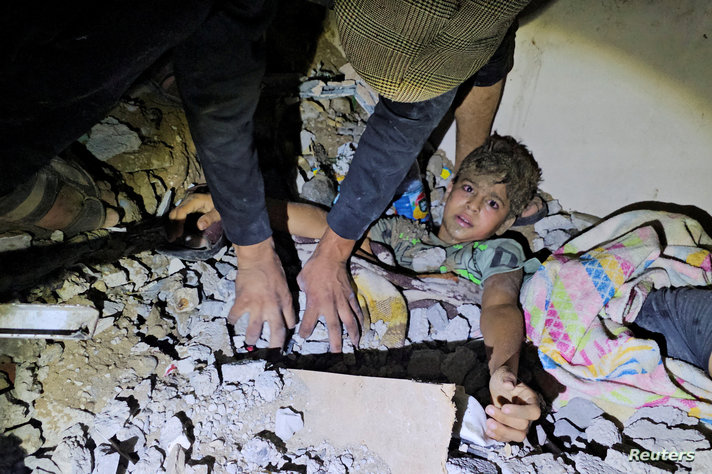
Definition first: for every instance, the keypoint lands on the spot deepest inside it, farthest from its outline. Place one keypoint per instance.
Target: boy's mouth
(463, 220)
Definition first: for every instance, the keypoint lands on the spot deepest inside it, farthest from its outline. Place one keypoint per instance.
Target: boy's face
(476, 208)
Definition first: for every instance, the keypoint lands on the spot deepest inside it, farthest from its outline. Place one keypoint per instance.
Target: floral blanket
(577, 304)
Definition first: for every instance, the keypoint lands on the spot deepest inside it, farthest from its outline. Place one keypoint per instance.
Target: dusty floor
(165, 383)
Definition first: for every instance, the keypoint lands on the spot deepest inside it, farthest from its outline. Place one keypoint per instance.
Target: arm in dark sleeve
(219, 70)
(394, 136)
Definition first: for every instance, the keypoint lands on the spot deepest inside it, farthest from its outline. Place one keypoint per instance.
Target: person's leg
(477, 106)
(64, 67)
(474, 118)
(478, 98)
(219, 73)
(684, 317)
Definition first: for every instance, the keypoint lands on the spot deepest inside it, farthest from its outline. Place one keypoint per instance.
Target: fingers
(193, 203)
(333, 325)
(308, 321)
(206, 220)
(349, 317)
(254, 329)
(503, 432)
(511, 421)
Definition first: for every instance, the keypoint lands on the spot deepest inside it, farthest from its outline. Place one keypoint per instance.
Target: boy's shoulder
(387, 228)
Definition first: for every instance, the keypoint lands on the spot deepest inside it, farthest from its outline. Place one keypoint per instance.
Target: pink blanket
(577, 304)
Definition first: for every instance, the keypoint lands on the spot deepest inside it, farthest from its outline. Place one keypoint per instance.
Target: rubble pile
(166, 383)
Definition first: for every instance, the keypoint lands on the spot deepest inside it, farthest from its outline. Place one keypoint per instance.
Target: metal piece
(38, 321)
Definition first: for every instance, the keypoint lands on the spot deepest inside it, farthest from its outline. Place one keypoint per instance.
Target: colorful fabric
(418, 249)
(577, 304)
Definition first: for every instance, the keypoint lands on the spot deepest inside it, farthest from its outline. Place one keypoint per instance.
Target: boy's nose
(474, 203)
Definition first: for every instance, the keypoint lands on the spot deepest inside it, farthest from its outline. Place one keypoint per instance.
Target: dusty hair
(509, 162)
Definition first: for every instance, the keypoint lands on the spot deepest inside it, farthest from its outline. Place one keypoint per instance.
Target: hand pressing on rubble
(262, 293)
(514, 407)
(329, 290)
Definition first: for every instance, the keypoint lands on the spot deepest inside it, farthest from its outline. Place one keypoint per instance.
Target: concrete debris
(580, 412)
(268, 384)
(261, 451)
(418, 326)
(174, 433)
(320, 190)
(29, 436)
(566, 430)
(429, 261)
(287, 422)
(110, 420)
(242, 372)
(71, 454)
(603, 431)
(658, 436)
(15, 241)
(110, 138)
(437, 317)
(106, 459)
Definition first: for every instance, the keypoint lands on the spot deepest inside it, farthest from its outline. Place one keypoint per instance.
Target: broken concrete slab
(352, 411)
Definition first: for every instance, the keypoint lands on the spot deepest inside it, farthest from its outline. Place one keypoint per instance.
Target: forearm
(503, 331)
(297, 218)
(220, 92)
(502, 322)
(395, 134)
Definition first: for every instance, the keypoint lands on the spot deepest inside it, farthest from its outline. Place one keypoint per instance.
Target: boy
(492, 187)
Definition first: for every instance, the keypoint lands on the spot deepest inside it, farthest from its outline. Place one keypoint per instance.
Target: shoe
(195, 244)
(542, 212)
(33, 200)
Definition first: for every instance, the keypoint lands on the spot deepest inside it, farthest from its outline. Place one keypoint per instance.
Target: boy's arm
(297, 218)
(515, 405)
(302, 219)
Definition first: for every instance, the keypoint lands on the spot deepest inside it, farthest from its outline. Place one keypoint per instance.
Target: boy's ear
(448, 190)
(505, 226)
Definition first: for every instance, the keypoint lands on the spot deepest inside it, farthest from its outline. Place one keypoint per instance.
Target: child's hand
(193, 203)
(515, 406)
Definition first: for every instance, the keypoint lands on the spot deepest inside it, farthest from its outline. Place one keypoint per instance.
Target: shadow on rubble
(35, 264)
(12, 456)
(463, 363)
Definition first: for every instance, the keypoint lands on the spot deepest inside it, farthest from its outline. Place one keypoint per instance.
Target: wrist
(511, 365)
(334, 247)
(255, 252)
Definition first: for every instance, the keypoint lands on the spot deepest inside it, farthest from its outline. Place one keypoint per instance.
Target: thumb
(203, 223)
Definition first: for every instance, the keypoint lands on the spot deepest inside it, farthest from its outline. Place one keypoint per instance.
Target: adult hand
(514, 407)
(193, 203)
(261, 292)
(329, 291)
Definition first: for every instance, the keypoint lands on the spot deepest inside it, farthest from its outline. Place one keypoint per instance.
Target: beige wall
(615, 100)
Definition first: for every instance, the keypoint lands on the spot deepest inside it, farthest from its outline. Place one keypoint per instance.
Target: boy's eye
(467, 188)
(493, 204)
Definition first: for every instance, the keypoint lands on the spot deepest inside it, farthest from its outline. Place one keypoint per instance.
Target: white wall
(615, 100)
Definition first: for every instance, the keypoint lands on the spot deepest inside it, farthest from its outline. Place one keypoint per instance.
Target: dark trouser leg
(684, 317)
(395, 134)
(65, 66)
(219, 72)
